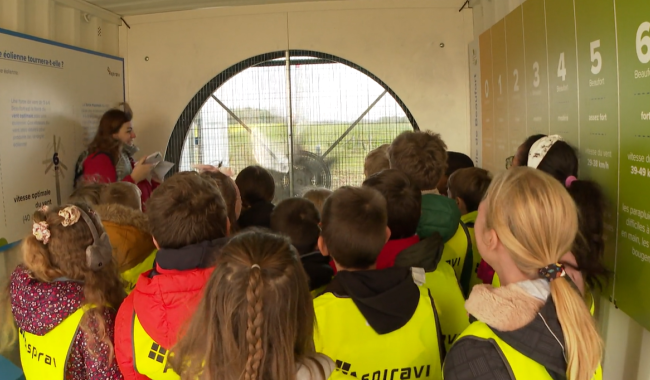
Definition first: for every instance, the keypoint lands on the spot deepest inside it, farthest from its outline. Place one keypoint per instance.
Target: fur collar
(123, 215)
(507, 308)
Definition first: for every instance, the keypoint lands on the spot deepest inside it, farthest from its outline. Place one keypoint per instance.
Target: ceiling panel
(137, 7)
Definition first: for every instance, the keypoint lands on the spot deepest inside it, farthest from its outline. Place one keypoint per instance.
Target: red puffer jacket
(164, 299)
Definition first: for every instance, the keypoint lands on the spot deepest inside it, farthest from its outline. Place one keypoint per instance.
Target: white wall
(71, 22)
(397, 40)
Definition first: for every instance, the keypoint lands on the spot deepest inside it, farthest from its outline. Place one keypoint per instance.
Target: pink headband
(569, 180)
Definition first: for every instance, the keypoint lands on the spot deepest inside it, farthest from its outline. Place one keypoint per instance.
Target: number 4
(595, 56)
(561, 68)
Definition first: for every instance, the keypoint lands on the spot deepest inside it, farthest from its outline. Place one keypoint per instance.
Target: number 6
(642, 41)
(595, 56)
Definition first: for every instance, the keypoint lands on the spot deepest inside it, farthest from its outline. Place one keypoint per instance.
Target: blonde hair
(317, 197)
(537, 221)
(95, 194)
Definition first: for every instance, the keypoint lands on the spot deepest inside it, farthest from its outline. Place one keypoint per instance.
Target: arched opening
(309, 118)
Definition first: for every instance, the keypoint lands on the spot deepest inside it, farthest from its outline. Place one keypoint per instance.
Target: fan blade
(47, 161)
(49, 167)
(61, 164)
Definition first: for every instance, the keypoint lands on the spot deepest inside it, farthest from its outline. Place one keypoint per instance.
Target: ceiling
(138, 7)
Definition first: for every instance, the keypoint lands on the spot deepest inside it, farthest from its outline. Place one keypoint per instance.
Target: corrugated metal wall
(71, 22)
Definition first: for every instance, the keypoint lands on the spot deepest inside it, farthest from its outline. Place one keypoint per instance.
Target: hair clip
(255, 266)
(552, 272)
(70, 215)
(569, 180)
(41, 232)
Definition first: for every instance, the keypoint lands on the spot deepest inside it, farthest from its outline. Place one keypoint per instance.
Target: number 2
(536, 81)
(516, 74)
(642, 41)
(595, 56)
(561, 68)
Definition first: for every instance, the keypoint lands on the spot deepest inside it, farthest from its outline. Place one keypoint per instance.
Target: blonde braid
(254, 324)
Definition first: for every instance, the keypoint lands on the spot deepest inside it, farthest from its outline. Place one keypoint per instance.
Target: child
(189, 224)
(376, 160)
(257, 189)
(403, 200)
(536, 326)
(455, 161)
(298, 219)
(372, 323)
(423, 157)
(317, 197)
(230, 193)
(467, 187)
(127, 227)
(64, 296)
(259, 290)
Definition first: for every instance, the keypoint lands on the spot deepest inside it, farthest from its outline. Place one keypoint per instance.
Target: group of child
(373, 282)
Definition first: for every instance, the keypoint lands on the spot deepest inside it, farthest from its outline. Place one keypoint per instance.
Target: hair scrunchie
(569, 180)
(552, 272)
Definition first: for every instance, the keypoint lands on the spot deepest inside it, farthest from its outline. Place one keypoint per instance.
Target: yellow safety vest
(455, 252)
(130, 276)
(523, 367)
(149, 357)
(411, 352)
(469, 220)
(449, 302)
(46, 357)
(318, 291)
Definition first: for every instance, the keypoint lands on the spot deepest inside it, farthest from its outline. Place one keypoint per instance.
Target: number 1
(500, 92)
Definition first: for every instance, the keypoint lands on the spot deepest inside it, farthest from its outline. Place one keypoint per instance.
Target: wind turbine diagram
(59, 167)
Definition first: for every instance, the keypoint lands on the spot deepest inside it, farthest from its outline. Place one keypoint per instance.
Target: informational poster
(563, 71)
(633, 254)
(500, 78)
(517, 83)
(487, 105)
(51, 98)
(598, 75)
(475, 103)
(537, 111)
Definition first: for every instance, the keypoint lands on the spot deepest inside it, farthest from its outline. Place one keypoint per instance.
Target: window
(330, 111)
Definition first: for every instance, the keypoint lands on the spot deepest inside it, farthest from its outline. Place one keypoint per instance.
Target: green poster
(536, 68)
(487, 106)
(562, 69)
(500, 79)
(633, 248)
(517, 72)
(598, 77)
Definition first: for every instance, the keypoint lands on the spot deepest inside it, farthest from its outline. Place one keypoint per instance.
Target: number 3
(536, 81)
(642, 41)
(595, 56)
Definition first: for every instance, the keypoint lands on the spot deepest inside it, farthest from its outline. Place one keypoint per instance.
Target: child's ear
(388, 233)
(322, 247)
(459, 202)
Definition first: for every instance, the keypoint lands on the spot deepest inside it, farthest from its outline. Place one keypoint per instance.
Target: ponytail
(582, 344)
(254, 324)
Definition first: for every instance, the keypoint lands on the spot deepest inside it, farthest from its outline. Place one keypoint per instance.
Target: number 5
(642, 41)
(595, 56)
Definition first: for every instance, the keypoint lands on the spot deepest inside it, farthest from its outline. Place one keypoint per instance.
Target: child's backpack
(79, 167)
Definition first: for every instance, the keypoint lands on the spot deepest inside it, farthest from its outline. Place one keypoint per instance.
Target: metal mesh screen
(339, 112)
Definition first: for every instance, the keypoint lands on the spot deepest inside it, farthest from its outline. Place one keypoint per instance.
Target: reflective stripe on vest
(521, 367)
(449, 302)
(45, 357)
(130, 276)
(149, 357)
(411, 352)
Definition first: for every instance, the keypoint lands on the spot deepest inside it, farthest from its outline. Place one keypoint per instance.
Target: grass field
(345, 160)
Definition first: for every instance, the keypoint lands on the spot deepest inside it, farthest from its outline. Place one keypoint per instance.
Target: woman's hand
(141, 171)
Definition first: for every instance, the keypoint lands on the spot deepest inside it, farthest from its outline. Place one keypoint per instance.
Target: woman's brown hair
(228, 190)
(65, 256)
(109, 124)
(256, 318)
